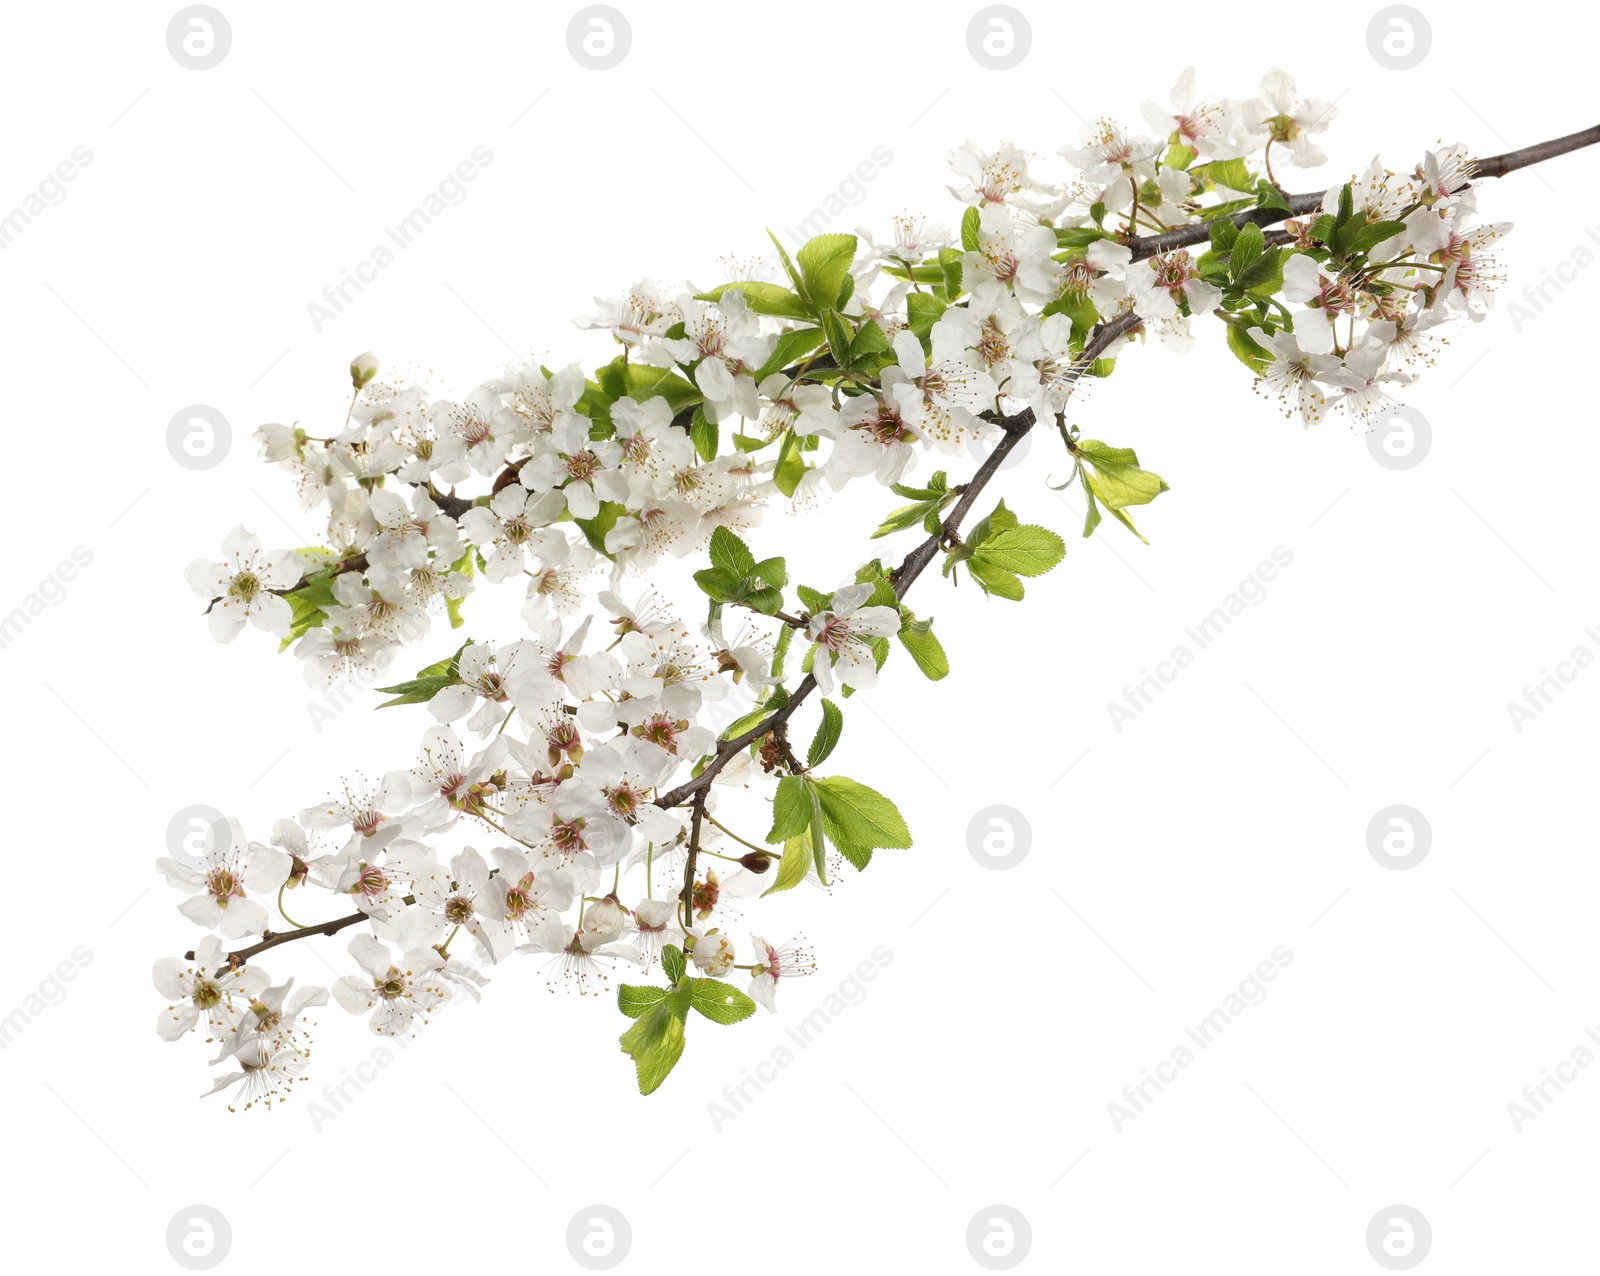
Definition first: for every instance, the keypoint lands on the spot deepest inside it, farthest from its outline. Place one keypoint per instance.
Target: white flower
(209, 988)
(713, 951)
(939, 401)
(218, 889)
(395, 990)
(242, 586)
(843, 636)
(789, 962)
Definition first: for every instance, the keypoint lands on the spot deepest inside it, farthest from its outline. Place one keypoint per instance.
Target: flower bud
(756, 861)
(713, 952)
(363, 368)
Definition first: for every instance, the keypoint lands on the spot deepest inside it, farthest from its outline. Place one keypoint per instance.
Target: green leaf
(718, 585)
(950, 264)
(703, 431)
(672, 962)
(1023, 551)
(1249, 352)
(858, 815)
(731, 554)
(655, 1042)
(925, 648)
(791, 809)
(827, 738)
(859, 856)
(1374, 233)
(763, 298)
(1113, 477)
(996, 579)
(791, 467)
(720, 1002)
(1250, 244)
(1233, 173)
(922, 312)
(634, 999)
(418, 690)
(790, 346)
(1264, 275)
(794, 865)
(869, 339)
(813, 599)
(969, 229)
(774, 571)
(1269, 196)
(788, 264)
(840, 336)
(595, 528)
(1347, 204)
(824, 265)
(640, 381)
(910, 515)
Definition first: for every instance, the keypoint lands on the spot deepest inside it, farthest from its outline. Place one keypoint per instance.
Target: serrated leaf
(791, 809)
(839, 336)
(862, 815)
(794, 865)
(1250, 244)
(655, 1043)
(827, 737)
(417, 690)
(969, 229)
(763, 298)
(791, 467)
(1023, 551)
(731, 554)
(1248, 351)
(634, 999)
(922, 312)
(720, 1002)
(595, 529)
(789, 346)
(995, 579)
(824, 265)
(788, 264)
(673, 962)
(703, 431)
(925, 648)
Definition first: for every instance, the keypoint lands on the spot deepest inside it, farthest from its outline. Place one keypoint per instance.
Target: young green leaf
(827, 737)
(655, 1042)
(672, 962)
(703, 431)
(859, 816)
(791, 809)
(824, 265)
(720, 1002)
(634, 999)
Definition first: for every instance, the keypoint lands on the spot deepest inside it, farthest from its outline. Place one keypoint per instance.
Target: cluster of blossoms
(564, 800)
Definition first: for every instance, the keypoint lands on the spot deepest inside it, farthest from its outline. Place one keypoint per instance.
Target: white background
(1228, 819)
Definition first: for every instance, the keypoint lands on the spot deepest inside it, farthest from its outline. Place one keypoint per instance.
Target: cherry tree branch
(1495, 166)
